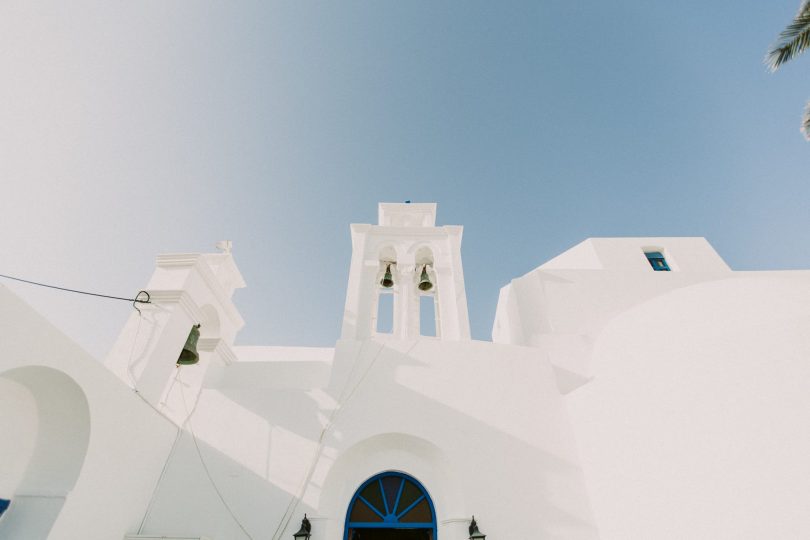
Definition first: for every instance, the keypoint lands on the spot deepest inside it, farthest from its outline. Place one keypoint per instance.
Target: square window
(657, 261)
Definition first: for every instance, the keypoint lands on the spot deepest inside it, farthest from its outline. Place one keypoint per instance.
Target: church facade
(634, 388)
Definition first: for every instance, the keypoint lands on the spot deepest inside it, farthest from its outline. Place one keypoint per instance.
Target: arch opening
(58, 423)
(391, 506)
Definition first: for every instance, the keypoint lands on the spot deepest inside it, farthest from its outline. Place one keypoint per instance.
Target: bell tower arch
(407, 256)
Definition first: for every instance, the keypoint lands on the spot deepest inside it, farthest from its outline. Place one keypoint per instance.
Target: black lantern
(475, 534)
(303, 532)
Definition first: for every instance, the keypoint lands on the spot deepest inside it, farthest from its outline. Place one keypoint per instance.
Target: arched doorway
(42, 473)
(391, 506)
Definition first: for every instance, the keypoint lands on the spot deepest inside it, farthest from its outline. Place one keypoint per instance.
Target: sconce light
(424, 280)
(189, 355)
(475, 534)
(303, 532)
(388, 280)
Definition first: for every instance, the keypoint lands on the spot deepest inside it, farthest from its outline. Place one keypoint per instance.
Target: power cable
(136, 300)
(187, 422)
(343, 400)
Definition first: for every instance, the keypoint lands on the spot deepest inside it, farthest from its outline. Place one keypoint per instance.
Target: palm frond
(793, 40)
(806, 122)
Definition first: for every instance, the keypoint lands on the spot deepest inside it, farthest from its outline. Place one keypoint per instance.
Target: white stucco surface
(695, 424)
(614, 402)
(97, 445)
(691, 411)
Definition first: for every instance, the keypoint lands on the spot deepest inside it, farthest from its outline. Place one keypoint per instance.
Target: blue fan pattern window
(390, 501)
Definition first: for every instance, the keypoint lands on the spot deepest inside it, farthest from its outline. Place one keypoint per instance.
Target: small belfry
(406, 278)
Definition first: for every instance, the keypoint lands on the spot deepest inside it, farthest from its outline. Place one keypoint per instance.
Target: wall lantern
(475, 534)
(303, 532)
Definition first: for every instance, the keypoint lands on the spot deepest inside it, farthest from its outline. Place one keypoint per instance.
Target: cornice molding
(193, 261)
(177, 259)
(181, 297)
(219, 347)
(437, 232)
(226, 353)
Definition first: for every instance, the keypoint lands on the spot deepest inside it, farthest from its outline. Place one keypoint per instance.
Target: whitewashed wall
(90, 451)
(482, 426)
(693, 418)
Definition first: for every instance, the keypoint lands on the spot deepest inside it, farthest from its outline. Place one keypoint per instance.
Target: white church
(634, 389)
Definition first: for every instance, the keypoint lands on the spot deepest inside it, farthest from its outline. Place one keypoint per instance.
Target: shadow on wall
(260, 473)
(45, 437)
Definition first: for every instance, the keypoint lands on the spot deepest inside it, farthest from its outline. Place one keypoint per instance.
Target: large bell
(189, 355)
(424, 280)
(388, 280)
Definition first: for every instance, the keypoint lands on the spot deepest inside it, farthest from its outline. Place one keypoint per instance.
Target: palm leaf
(806, 121)
(793, 40)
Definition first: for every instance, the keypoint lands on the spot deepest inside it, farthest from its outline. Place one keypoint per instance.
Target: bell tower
(400, 264)
(191, 294)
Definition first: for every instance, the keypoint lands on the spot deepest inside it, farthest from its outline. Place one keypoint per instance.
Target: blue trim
(362, 525)
(4, 503)
(414, 503)
(384, 495)
(390, 520)
(399, 494)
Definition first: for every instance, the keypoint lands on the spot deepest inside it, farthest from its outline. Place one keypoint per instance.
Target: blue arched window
(391, 505)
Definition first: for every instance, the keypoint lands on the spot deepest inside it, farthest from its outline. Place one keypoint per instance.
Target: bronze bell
(388, 280)
(424, 280)
(189, 355)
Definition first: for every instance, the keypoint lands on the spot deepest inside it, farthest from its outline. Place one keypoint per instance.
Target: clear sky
(129, 129)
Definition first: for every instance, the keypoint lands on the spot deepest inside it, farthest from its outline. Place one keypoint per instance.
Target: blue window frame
(657, 261)
(390, 500)
(4, 505)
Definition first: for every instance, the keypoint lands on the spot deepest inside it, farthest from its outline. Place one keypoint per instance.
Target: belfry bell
(424, 280)
(388, 280)
(189, 355)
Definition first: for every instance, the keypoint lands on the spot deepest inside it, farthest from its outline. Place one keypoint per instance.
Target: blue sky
(132, 129)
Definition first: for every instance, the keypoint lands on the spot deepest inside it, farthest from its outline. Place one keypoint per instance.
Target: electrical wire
(296, 499)
(133, 300)
(130, 374)
(163, 471)
(165, 468)
(199, 454)
(343, 399)
(169, 456)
